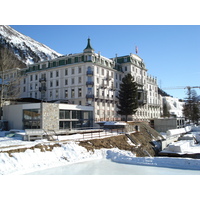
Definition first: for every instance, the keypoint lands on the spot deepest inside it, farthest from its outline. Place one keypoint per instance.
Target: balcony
(89, 96)
(113, 88)
(142, 96)
(89, 73)
(43, 79)
(108, 77)
(42, 88)
(104, 85)
(90, 83)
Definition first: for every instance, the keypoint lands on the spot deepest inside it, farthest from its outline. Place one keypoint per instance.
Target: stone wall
(50, 113)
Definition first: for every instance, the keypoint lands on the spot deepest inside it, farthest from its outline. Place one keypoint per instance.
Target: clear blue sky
(171, 52)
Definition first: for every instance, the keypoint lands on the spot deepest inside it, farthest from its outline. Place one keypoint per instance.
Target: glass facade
(72, 119)
(32, 119)
(68, 119)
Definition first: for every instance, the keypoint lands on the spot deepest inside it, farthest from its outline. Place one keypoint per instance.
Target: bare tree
(9, 76)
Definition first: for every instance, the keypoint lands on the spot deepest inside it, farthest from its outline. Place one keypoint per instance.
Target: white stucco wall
(13, 114)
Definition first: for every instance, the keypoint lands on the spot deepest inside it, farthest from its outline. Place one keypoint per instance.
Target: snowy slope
(174, 105)
(25, 48)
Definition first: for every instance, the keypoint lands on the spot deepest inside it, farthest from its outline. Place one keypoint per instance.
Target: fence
(76, 134)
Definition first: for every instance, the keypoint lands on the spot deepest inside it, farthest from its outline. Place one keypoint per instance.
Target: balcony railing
(43, 79)
(90, 83)
(108, 77)
(42, 88)
(89, 96)
(103, 85)
(89, 73)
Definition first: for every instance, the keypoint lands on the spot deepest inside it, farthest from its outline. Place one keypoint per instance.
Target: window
(72, 93)
(57, 83)
(51, 74)
(31, 77)
(79, 92)
(79, 70)
(57, 73)
(89, 58)
(72, 70)
(89, 79)
(24, 81)
(89, 91)
(43, 95)
(97, 92)
(79, 80)
(56, 94)
(102, 72)
(64, 125)
(66, 81)
(72, 81)
(66, 93)
(36, 77)
(51, 83)
(31, 118)
(66, 72)
(64, 114)
(43, 66)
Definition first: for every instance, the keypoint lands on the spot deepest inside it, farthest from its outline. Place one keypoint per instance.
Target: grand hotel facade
(88, 78)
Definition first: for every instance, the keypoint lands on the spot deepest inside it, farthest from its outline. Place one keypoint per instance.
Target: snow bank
(115, 123)
(33, 160)
(179, 147)
(129, 158)
(178, 131)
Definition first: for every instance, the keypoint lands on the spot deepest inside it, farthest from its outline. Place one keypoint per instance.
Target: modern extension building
(90, 79)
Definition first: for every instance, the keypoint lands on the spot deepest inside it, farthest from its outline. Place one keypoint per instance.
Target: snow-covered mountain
(25, 48)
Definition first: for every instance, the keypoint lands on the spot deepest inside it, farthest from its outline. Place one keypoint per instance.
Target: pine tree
(128, 102)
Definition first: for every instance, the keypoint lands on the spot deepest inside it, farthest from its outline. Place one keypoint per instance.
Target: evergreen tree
(191, 108)
(128, 102)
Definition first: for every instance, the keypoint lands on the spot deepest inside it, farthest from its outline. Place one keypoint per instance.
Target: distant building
(174, 106)
(165, 124)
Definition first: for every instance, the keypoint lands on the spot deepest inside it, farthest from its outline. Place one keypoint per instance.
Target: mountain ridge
(24, 47)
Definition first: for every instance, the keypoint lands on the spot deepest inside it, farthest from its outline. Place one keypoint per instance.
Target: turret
(88, 48)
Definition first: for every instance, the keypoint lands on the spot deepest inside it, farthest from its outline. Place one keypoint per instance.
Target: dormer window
(89, 58)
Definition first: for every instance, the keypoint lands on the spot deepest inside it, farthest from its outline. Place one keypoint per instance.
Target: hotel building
(90, 79)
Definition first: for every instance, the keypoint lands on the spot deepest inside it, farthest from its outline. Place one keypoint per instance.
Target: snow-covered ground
(71, 152)
(34, 160)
